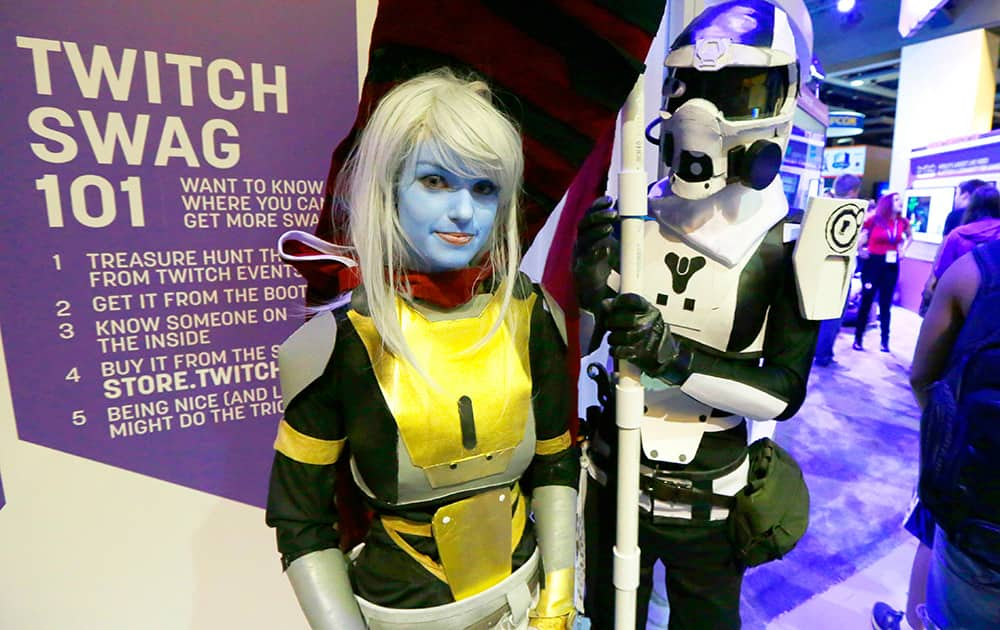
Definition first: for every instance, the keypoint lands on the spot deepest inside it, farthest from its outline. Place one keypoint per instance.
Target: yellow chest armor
(466, 422)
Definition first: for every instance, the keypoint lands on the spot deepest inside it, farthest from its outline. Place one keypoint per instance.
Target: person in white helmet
(718, 331)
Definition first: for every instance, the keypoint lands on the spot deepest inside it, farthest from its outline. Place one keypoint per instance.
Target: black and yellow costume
(427, 455)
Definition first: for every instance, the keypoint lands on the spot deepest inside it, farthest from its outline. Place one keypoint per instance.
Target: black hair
(985, 203)
(970, 185)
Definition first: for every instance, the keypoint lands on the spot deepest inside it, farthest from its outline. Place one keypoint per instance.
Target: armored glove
(639, 334)
(596, 253)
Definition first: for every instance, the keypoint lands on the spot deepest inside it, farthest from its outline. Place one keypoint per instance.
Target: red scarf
(448, 289)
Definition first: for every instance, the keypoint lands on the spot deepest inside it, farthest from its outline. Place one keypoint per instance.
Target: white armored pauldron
(824, 255)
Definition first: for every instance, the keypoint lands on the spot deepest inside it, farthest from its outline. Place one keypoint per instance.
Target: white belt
(504, 605)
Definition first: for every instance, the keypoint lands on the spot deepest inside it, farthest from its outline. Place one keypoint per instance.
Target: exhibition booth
(935, 174)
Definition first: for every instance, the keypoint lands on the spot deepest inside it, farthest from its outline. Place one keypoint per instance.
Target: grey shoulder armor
(303, 357)
(824, 256)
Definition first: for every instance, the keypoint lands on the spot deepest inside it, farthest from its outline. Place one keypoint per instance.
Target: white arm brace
(735, 397)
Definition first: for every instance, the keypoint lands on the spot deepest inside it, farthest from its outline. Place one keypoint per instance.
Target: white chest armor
(695, 293)
(693, 277)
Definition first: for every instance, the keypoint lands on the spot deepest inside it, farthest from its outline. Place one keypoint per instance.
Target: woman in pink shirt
(884, 238)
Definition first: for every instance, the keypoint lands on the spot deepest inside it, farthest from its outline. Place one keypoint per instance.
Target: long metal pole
(629, 397)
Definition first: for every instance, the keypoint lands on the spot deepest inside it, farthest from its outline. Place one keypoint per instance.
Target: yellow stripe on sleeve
(553, 445)
(306, 449)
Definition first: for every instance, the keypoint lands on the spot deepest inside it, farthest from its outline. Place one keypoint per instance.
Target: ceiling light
(845, 6)
(857, 82)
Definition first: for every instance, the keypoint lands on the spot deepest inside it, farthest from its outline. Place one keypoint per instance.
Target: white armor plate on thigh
(673, 424)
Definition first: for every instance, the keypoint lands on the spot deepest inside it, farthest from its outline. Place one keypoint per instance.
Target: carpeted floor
(856, 440)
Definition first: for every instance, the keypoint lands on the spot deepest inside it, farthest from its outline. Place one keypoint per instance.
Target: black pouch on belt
(770, 514)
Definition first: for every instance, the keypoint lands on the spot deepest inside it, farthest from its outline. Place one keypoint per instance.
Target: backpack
(960, 426)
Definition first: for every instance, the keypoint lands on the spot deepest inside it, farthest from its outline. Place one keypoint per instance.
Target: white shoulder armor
(824, 255)
(303, 357)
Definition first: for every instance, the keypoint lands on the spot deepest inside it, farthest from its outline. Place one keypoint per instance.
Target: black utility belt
(678, 486)
(678, 491)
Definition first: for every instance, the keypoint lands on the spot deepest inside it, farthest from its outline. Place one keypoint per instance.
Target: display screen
(827, 185)
(918, 210)
(927, 209)
(796, 153)
(790, 183)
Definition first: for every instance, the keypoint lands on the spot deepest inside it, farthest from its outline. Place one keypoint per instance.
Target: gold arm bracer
(306, 449)
(553, 445)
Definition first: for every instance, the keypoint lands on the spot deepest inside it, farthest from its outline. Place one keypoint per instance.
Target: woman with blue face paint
(443, 382)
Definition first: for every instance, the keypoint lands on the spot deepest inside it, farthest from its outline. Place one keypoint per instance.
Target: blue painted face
(447, 217)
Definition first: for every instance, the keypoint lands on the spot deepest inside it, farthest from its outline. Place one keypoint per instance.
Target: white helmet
(728, 99)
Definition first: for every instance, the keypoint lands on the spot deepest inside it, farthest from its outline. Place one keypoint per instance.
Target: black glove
(596, 253)
(638, 333)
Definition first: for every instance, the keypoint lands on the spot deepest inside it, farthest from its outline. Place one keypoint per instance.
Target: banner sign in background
(979, 161)
(152, 154)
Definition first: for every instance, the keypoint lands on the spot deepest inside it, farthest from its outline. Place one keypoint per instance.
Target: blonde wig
(456, 121)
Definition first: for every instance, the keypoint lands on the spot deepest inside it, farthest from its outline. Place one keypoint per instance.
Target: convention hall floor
(848, 604)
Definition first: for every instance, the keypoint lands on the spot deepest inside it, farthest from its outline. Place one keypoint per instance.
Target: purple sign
(981, 159)
(152, 154)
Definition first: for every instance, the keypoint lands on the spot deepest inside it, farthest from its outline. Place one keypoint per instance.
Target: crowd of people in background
(976, 215)
(886, 235)
(974, 221)
(957, 573)
(961, 588)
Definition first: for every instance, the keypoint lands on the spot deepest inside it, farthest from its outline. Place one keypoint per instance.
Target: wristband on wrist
(679, 368)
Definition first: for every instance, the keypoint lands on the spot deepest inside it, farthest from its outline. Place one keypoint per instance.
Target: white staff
(629, 397)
